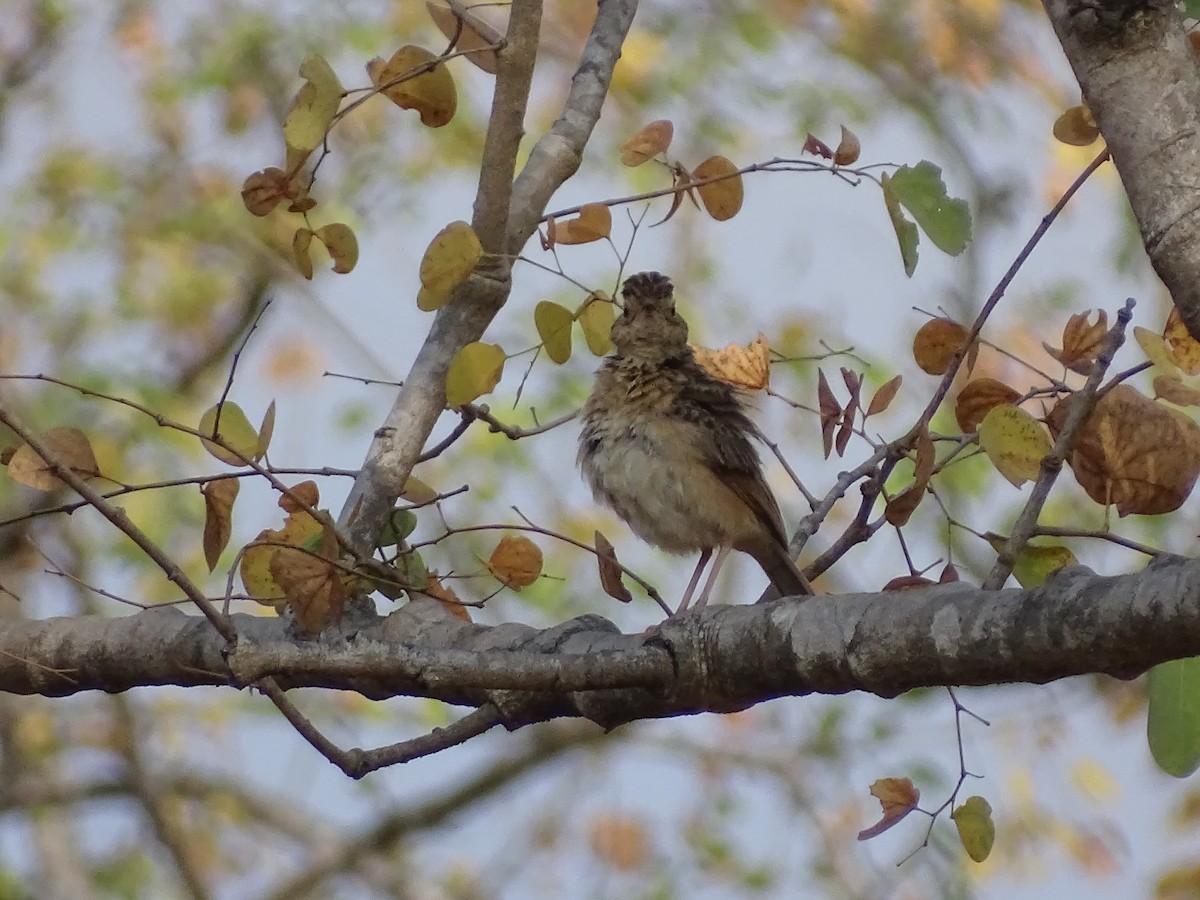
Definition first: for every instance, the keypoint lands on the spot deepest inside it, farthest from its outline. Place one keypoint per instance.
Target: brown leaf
(301, 242)
(747, 367)
(907, 583)
(976, 400)
(936, 343)
(649, 141)
(817, 147)
(1076, 127)
(69, 446)
(949, 574)
(475, 37)
(219, 497)
(1134, 453)
(848, 149)
(610, 570)
(898, 797)
(516, 562)
(1175, 391)
(311, 582)
(884, 396)
(681, 180)
(1081, 342)
(1184, 348)
(263, 191)
(446, 596)
(901, 507)
(830, 411)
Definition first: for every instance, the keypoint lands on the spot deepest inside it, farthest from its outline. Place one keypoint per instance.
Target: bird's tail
(785, 575)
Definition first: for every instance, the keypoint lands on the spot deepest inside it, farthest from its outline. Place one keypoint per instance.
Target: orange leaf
(650, 141)
(1081, 342)
(516, 562)
(476, 38)
(431, 91)
(721, 198)
(884, 396)
(936, 343)
(593, 223)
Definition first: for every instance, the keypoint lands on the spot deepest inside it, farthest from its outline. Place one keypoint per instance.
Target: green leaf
(906, 231)
(553, 321)
(1173, 720)
(596, 319)
(945, 220)
(975, 827)
(474, 371)
(400, 524)
(235, 432)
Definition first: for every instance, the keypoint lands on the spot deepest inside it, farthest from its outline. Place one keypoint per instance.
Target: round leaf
(70, 446)
(431, 92)
(516, 562)
(1015, 442)
(650, 141)
(936, 343)
(553, 322)
(722, 198)
(450, 257)
(342, 245)
(239, 439)
(975, 827)
(474, 371)
(979, 397)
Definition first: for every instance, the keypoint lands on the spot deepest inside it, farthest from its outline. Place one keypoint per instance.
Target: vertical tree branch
(1139, 77)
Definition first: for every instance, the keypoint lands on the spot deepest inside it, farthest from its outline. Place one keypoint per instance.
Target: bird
(670, 448)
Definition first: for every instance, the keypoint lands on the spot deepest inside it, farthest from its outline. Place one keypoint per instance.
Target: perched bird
(669, 447)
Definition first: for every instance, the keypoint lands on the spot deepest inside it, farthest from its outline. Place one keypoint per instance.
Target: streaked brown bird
(670, 448)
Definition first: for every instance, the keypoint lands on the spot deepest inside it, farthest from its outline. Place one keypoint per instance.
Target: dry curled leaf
(829, 409)
(1081, 342)
(848, 149)
(901, 507)
(264, 190)
(817, 147)
(594, 223)
(650, 140)
(610, 570)
(897, 797)
(219, 497)
(747, 367)
(444, 595)
(1139, 455)
(1175, 391)
(69, 446)
(311, 582)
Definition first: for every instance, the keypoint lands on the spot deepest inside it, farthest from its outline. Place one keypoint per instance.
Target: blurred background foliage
(128, 265)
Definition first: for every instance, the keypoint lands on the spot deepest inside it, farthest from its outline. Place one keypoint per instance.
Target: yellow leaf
(71, 447)
(516, 562)
(219, 497)
(596, 319)
(1035, 562)
(239, 439)
(316, 104)
(650, 141)
(722, 198)
(746, 367)
(975, 827)
(553, 322)
(265, 431)
(431, 92)
(474, 371)
(450, 257)
(1015, 443)
(1076, 127)
(342, 245)
(1156, 350)
(301, 241)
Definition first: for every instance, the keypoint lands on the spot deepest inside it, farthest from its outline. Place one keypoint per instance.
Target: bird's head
(649, 328)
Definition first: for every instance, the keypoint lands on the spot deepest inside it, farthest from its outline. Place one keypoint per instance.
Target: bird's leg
(722, 552)
(687, 595)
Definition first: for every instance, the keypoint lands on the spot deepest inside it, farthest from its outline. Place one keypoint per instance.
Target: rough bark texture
(1139, 77)
(718, 659)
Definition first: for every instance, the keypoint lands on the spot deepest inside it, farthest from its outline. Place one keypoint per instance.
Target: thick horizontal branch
(718, 659)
